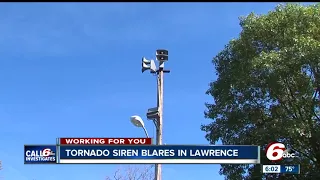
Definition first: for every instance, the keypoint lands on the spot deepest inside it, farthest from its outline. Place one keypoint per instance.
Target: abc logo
(277, 151)
(288, 155)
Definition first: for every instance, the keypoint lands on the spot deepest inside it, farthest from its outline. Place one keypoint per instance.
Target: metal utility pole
(156, 114)
(158, 168)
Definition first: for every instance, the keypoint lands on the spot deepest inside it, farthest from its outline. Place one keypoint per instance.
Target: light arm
(145, 131)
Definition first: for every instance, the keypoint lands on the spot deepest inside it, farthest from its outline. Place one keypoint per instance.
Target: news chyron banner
(136, 151)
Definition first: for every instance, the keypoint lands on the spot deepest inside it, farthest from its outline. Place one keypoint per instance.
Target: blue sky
(73, 69)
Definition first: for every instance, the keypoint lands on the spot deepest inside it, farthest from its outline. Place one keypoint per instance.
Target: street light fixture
(138, 122)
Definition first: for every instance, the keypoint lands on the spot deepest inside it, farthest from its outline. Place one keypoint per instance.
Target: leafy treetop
(267, 89)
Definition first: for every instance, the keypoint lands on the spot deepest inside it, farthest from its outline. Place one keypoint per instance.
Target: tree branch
(131, 173)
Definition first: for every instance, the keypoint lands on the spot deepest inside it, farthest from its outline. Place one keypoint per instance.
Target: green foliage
(266, 90)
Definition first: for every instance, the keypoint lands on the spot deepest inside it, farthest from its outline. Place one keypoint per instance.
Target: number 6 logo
(274, 151)
(46, 152)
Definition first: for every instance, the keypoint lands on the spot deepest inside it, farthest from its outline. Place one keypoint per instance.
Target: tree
(133, 173)
(268, 89)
